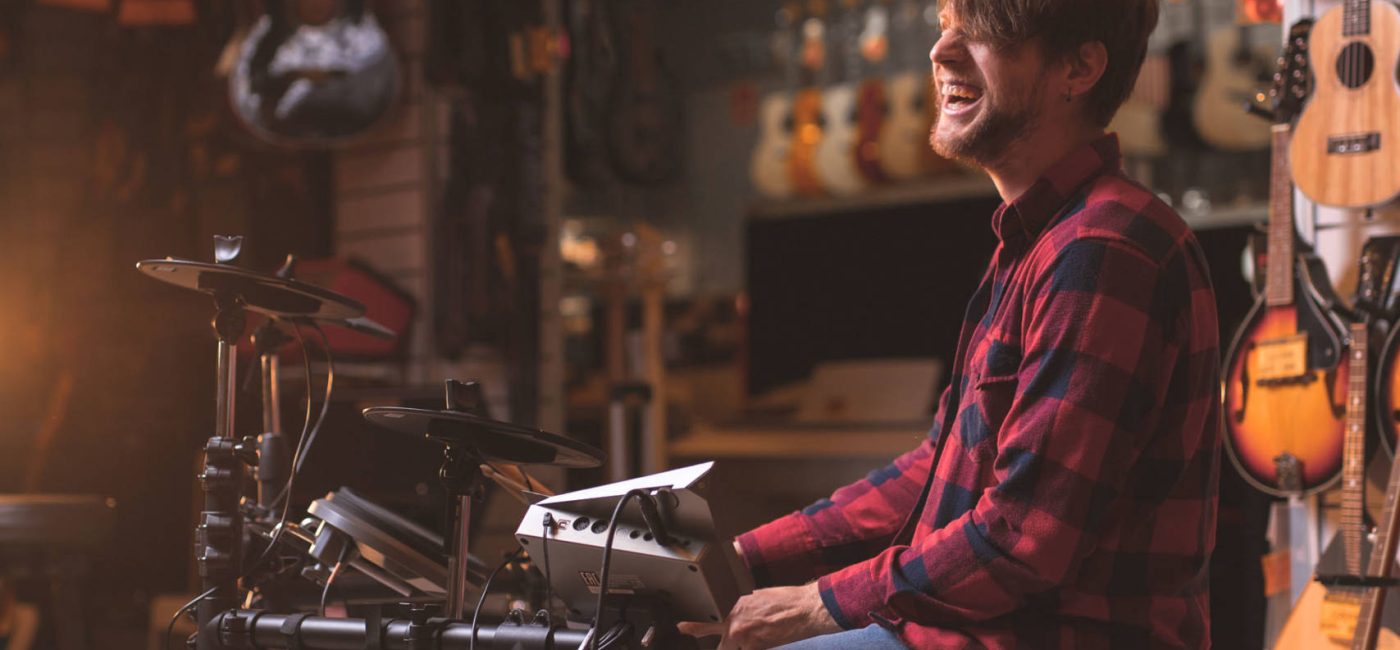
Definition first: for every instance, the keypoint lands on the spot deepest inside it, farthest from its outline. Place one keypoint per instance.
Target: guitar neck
(1354, 453)
(1279, 273)
(1356, 18)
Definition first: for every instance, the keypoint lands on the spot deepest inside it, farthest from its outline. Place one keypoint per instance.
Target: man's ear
(1086, 66)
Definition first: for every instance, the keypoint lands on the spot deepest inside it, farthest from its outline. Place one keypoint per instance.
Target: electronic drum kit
(249, 554)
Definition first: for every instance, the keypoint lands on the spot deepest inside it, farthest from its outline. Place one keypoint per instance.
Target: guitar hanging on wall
(1345, 149)
(313, 73)
(1284, 397)
(643, 122)
(768, 165)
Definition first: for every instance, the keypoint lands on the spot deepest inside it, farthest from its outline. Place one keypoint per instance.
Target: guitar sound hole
(1355, 65)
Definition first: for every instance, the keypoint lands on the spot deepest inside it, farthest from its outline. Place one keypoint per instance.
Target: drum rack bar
(243, 629)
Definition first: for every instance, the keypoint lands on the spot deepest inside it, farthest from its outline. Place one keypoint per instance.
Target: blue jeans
(873, 637)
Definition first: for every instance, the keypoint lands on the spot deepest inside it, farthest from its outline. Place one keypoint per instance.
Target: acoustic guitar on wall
(768, 165)
(1284, 399)
(807, 122)
(836, 154)
(1239, 65)
(1345, 149)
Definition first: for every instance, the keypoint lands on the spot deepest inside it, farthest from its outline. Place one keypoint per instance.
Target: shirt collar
(1024, 218)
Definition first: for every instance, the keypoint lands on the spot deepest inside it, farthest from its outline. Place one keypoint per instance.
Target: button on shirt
(1074, 500)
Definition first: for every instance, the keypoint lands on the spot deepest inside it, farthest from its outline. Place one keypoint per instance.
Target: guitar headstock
(1292, 80)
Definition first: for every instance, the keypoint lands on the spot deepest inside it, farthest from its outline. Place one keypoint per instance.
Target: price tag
(1282, 358)
(1337, 618)
(1277, 574)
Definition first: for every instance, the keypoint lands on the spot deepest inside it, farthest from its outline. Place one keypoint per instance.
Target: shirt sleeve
(1099, 353)
(853, 524)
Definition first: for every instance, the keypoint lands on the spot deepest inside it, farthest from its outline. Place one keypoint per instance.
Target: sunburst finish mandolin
(1284, 397)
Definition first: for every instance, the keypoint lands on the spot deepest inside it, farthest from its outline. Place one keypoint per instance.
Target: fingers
(700, 629)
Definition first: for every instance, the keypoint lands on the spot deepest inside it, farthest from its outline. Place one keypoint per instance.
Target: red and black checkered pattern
(1075, 497)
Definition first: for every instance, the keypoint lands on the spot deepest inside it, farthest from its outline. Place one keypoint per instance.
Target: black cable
(284, 497)
(170, 629)
(607, 560)
(308, 432)
(548, 577)
(335, 571)
(485, 588)
(325, 402)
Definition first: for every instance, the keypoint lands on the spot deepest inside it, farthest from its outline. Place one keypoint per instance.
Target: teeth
(959, 91)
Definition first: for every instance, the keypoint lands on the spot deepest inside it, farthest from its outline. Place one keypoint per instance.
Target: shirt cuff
(780, 552)
(854, 595)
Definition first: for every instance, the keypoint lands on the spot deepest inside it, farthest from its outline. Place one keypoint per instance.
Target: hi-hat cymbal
(258, 292)
(492, 440)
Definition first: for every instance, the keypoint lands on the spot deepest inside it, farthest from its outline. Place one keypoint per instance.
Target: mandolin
(1284, 397)
(313, 73)
(1345, 150)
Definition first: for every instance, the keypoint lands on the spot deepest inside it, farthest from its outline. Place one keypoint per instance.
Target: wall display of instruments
(1310, 378)
(1285, 392)
(627, 577)
(856, 104)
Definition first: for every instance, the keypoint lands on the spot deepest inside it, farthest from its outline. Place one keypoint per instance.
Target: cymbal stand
(272, 469)
(219, 534)
(462, 478)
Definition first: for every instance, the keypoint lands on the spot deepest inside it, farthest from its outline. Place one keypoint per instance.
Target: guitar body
(1305, 625)
(904, 143)
(871, 109)
(807, 135)
(905, 133)
(836, 154)
(313, 84)
(768, 168)
(1231, 81)
(1346, 146)
(1302, 416)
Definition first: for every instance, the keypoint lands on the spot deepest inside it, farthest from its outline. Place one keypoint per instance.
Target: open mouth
(959, 97)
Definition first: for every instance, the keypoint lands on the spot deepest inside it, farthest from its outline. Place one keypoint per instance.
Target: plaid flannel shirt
(1074, 500)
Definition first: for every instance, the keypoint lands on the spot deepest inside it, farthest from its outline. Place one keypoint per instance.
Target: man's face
(988, 98)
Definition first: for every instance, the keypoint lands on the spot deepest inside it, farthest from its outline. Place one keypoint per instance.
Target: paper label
(1337, 618)
(618, 583)
(1277, 573)
(1283, 358)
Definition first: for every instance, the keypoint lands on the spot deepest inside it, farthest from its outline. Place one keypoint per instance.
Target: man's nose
(946, 49)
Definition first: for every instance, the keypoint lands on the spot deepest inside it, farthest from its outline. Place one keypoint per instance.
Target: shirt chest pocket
(993, 389)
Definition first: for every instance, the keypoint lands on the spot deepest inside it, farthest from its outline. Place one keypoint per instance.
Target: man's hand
(769, 618)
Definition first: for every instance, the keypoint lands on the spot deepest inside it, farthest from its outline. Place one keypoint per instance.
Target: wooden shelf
(955, 188)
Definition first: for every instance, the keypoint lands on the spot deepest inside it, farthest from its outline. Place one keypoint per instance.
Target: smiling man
(1066, 495)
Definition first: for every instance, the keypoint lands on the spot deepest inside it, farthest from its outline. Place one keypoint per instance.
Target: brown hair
(1062, 26)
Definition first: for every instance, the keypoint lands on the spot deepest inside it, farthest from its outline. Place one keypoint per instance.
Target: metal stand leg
(218, 537)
